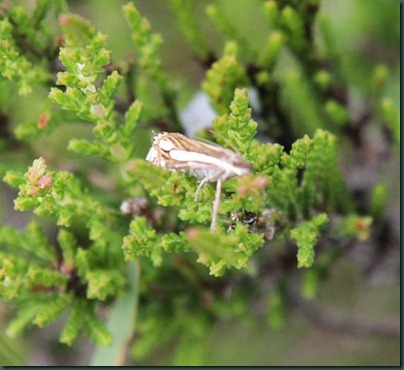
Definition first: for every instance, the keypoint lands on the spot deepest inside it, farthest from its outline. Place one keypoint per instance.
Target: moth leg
(216, 205)
(203, 182)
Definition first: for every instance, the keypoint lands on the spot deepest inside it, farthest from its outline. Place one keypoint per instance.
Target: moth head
(163, 142)
(160, 143)
(156, 137)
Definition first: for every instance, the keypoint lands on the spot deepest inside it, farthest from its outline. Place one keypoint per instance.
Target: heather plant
(129, 260)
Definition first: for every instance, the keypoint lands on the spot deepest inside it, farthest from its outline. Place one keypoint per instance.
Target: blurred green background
(367, 33)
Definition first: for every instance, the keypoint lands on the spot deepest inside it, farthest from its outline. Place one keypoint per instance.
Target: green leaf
(229, 30)
(224, 76)
(378, 201)
(293, 25)
(276, 310)
(337, 112)
(132, 117)
(14, 178)
(300, 103)
(68, 245)
(184, 11)
(77, 31)
(141, 241)
(74, 323)
(52, 310)
(271, 12)
(148, 45)
(46, 277)
(89, 147)
(306, 236)
(356, 226)
(103, 284)
(222, 251)
(96, 329)
(13, 65)
(22, 321)
(270, 51)
(392, 117)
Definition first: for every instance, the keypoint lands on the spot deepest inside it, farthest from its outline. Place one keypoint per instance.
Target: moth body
(176, 152)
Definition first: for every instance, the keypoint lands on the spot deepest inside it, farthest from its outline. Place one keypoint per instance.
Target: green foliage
(304, 110)
(292, 20)
(148, 45)
(14, 66)
(321, 184)
(97, 270)
(276, 309)
(82, 316)
(229, 30)
(224, 251)
(44, 283)
(391, 117)
(306, 236)
(19, 32)
(84, 62)
(237, 127)
(141, 241)
(378, 201)
(318, 273)
(183, 10)
(355, 226)
(179, 272)
(224, 76)
(271, 50)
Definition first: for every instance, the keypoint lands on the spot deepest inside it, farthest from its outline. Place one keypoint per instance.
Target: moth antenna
(154, 134)
(226, 140)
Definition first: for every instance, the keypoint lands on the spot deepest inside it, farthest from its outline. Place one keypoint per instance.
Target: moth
(208, 162)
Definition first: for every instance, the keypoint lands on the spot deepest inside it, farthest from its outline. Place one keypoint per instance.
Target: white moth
(208, 162)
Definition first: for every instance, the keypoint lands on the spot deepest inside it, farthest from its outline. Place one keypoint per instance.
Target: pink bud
(44, 181)
(43, 120)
